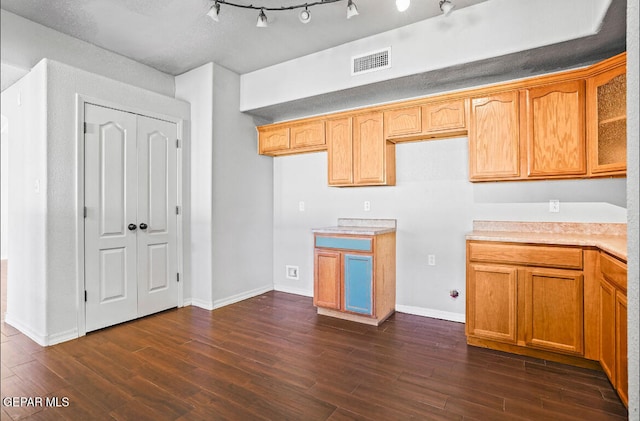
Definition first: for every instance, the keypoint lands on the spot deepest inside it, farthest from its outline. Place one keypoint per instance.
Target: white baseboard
(207, 305)
(62, 337)
(242, 296)
(434, 314)
(39, 338)
(298, 291)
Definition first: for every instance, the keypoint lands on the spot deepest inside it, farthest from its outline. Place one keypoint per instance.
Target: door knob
(132, 227)
(143, 226)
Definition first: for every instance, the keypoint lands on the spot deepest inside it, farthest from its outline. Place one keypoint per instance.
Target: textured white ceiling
(174, 36)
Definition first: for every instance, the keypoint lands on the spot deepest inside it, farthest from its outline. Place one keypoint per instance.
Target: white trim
(207, 305)
(38, 338)
(242, 296)
(434, 314)
(81, 100)
(57, 338)
(297, 291)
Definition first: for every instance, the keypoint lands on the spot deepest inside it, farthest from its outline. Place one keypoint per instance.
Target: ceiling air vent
(371, 62)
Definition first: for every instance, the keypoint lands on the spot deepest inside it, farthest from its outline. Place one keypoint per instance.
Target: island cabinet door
(328, 270)
(358, 284)
(554, 310)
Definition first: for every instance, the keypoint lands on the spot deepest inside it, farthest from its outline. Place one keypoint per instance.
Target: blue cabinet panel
(344, 243)
(358, 283)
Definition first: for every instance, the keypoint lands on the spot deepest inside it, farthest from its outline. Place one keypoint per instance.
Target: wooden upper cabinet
(272, 140)
(373, 156)
(340, 151)
(403, 122)
(607, 122)
(494, 137)
(555, 129)
(308, 135)
(427, 121)
(283, 139)
(444, 116)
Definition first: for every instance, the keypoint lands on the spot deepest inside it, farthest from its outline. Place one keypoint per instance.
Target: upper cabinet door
(340, 151)
(494, 137)
(555, 122)
(369, 162)
(307, 135)
(272, 140)
(444, 116)
(607, 122)
(403, 122)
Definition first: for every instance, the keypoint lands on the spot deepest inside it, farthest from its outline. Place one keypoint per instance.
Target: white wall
(25, 43)
(24, 105)
(486, 30)
(51, 215)
(435, 206)
(633, 205)
(232, 200)
(242, 198)
(196, 87)
(4, 187)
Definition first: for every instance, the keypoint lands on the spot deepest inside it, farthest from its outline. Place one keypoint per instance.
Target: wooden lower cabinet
(522, 298)
(492, 302)
(613, 323)
(354, 277)
(327, 268)
(553, 310)
(538, 300)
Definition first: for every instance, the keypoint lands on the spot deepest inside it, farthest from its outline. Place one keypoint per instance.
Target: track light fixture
(214, 12)
(446, 6)
(305, 15)
(352, 10)
(262, 20)
(403, 5)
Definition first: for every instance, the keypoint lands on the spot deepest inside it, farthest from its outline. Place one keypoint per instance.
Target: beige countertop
(359, 227)
(610, 238)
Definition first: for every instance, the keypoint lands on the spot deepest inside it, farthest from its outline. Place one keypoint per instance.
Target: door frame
(81, 101)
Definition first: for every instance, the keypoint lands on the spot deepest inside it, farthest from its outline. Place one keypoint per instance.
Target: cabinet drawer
(544, 256)
(344, 243)
(614, 270)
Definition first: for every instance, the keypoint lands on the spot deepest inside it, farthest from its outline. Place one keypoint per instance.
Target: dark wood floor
(272, 357)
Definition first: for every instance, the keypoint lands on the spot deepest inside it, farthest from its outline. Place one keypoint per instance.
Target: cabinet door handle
(143, 226)
(132, 227)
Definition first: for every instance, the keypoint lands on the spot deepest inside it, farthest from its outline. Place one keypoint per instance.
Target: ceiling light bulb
(214, 12)
(402, 5)
(262, 20)
(305, 16)
(446, 6)
(352, 10)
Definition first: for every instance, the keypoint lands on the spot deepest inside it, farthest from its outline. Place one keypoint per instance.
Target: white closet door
(157, 230)
(111, 172)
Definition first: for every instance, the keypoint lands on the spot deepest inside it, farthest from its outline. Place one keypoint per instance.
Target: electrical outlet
(431, 260)
(367, 206)
(554, 206)
(301, 206)
(292, 272)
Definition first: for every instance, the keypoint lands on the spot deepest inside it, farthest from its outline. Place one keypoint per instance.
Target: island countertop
(354, 226)
(610, 238)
